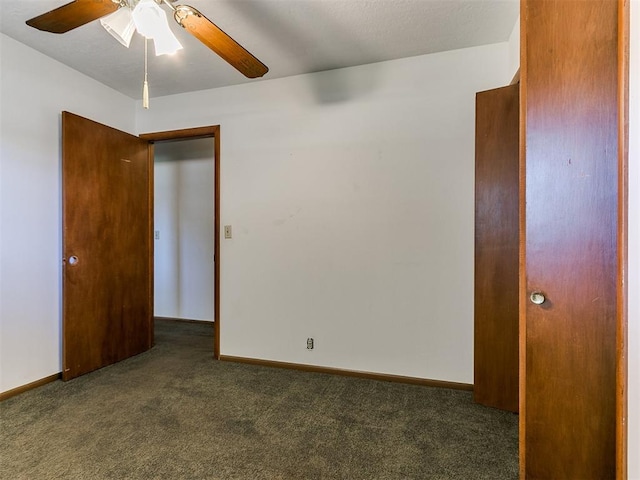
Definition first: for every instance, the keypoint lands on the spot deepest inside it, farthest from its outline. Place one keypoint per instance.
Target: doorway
(165, 148)
(183, 230)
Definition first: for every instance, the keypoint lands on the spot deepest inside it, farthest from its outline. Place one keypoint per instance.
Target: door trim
(212, 131)
(624, 16)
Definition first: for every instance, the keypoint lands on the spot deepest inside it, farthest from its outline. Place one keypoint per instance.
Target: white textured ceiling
(290, 36)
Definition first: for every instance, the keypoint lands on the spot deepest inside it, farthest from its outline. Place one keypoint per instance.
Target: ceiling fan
(146, 16)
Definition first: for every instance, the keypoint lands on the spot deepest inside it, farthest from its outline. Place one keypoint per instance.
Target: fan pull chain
(145, 85)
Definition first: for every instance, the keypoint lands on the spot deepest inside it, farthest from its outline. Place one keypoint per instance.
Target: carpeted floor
(174, 413)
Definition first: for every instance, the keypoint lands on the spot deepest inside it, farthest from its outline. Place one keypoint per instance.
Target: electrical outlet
(227, 231)
(309, 343)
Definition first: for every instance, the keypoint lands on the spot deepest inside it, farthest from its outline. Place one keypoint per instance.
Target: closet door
(569, 310)
(496, 249)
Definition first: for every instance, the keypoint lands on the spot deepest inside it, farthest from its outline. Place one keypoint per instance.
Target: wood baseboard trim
(349, 373)
(185, 320)
(29, 386)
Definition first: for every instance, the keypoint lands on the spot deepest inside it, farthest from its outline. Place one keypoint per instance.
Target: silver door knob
(73, 260)
(537, 298)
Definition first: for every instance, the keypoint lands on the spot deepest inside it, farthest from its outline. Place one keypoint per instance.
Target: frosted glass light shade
(151, 21)
(166, 44)
(147, 15)
(120, 25)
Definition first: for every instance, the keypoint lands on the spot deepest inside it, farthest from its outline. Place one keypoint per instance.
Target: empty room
(296, 239)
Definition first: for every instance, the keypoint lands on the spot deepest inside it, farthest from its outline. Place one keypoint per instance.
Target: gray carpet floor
(175, 413)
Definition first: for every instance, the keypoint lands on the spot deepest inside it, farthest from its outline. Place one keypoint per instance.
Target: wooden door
(496, 249)
(570, 87)
(107, 221)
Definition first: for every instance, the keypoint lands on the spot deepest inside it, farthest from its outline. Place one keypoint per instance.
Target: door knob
(537, 298)
(73, 260)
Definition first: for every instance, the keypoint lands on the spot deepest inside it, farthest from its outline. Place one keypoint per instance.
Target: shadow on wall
(329, 86)
(335, 86)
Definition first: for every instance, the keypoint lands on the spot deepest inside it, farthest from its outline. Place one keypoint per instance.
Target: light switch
(227, 231)
(157, 235)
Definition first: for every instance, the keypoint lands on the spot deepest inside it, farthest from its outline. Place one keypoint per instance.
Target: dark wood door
(496, 248)
(107, 274)
(569, 75)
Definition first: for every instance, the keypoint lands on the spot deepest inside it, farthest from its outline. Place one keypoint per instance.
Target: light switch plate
(227, 231)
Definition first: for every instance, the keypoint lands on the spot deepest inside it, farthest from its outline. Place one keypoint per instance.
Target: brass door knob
(537, 298)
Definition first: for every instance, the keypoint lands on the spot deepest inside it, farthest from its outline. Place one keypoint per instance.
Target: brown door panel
(570, 84)
(106, 226)
(496, 248)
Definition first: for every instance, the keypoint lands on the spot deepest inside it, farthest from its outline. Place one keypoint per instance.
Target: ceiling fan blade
(213, 37)
(72, 15)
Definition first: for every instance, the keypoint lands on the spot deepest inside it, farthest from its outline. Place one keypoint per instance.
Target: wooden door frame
(622, 320)
(192, 134)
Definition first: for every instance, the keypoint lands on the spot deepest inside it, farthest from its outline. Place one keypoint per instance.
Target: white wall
(634, 247)
(514, 48)
(183, 211)
(34, 90)
(350, 193)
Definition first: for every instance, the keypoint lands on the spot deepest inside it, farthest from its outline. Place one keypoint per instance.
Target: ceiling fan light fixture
(120, 25)
(166, 44)
(151, 22)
